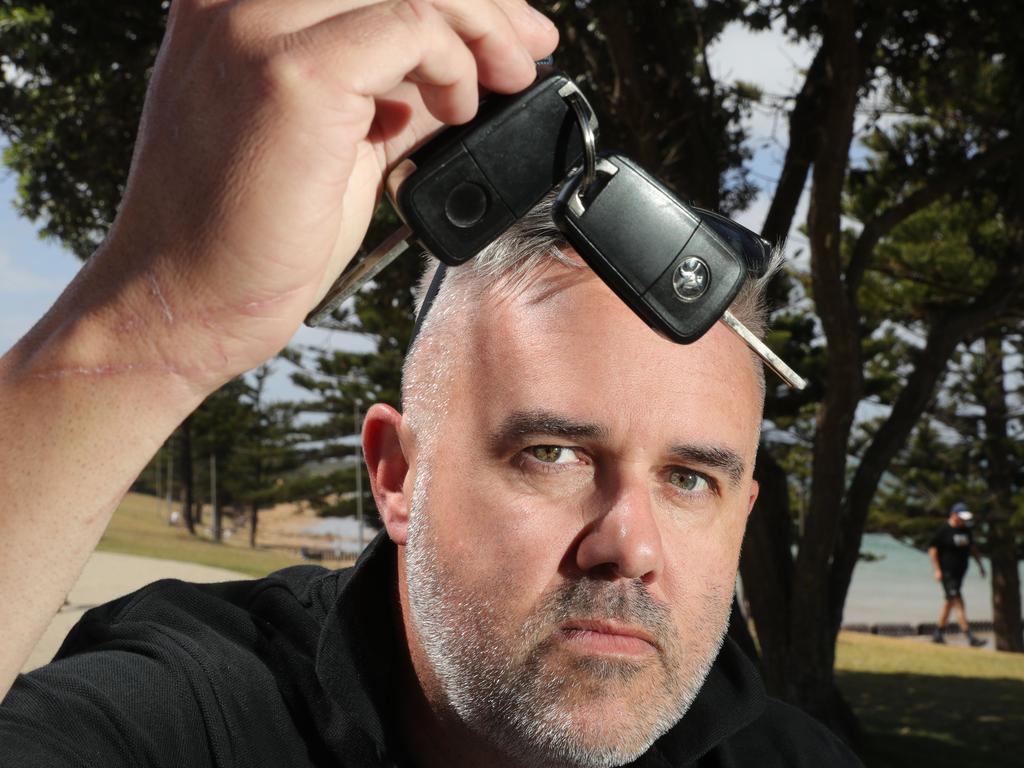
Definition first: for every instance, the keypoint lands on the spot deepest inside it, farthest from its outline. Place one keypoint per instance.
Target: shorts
(951, 583)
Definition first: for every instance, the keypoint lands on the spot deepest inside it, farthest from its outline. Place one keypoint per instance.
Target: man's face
(576, 522)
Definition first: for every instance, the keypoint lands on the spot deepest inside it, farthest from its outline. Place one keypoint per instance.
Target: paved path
(108, 575)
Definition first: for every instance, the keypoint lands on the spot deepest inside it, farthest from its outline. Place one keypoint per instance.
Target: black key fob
(468, 184)
(664, 259)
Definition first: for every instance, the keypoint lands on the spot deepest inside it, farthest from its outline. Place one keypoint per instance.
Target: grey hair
(508, 263)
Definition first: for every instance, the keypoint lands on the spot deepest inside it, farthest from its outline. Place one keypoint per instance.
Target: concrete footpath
(108, 575)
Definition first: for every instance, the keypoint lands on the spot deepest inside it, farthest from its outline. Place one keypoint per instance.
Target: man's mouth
(607, 637)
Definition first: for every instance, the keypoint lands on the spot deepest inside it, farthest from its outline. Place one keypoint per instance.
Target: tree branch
(952, 180)
(804, 135)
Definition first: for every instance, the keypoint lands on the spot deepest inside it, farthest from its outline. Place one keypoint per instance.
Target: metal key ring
(587, 121)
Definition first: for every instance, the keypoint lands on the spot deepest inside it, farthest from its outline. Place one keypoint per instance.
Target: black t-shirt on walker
(954, 546)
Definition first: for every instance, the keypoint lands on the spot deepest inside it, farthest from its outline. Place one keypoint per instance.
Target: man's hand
(267, 132)
(938, 575)
(268, 129)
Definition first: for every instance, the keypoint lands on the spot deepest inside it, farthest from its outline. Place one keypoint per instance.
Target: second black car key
(677, 267)
(654, 251)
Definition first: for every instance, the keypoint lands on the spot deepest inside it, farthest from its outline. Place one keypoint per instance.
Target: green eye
(688, 480)
(552, 454)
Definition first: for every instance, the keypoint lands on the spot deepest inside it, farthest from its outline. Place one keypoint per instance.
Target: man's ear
(755, 488)
(388, 466)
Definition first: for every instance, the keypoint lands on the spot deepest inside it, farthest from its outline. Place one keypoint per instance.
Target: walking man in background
(949, 550)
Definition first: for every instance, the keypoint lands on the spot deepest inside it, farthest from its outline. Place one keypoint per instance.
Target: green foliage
(253, 439)
(70, 99)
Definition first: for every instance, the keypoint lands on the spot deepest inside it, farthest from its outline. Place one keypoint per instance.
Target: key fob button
(466, 205)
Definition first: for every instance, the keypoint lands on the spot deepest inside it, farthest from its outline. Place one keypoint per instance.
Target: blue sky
(33, 272)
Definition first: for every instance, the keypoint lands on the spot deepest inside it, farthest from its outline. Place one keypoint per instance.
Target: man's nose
(624, 540)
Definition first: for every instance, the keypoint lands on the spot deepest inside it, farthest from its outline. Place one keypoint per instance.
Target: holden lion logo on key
(691, 279)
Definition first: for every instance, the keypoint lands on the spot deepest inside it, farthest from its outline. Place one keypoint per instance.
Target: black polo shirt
(299, 669)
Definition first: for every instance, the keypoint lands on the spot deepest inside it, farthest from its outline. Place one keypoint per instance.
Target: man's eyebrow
(520, 424)
(712, 456)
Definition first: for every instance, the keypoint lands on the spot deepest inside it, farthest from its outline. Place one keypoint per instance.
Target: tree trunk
(803, 138)
(216, 527)
(807, 671)
(215, 504)
(254, 517)
(1006, 607)
(197, 515)
(187, 474)
(766, 567)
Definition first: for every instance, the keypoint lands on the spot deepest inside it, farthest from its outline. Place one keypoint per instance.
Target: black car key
(677, 267)
(470, 183)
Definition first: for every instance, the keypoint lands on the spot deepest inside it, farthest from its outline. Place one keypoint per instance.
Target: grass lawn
(933, 706)
(139, 527)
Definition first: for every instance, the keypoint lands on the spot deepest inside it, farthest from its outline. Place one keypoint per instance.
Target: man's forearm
(86, 399)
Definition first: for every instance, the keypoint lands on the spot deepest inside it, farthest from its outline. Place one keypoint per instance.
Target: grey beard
(505, 693)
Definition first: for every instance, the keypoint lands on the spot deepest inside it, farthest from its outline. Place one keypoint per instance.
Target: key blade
(773, 361)
(348, 283)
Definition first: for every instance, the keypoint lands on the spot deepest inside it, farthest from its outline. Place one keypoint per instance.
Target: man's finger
(505, 39)
(505, 35)
(371, 50)
(538, 33)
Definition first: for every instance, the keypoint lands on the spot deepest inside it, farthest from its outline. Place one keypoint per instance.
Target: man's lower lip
(591, 641)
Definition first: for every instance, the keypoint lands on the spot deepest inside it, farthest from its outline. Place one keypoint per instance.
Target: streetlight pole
(359, 472)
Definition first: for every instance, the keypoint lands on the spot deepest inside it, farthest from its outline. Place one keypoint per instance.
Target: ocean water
(899, 587)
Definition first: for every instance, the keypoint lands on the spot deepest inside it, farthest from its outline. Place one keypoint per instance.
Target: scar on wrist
(154, 290)
(108, 370)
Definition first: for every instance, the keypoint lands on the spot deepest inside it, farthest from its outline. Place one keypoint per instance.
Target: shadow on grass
(937, 721)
